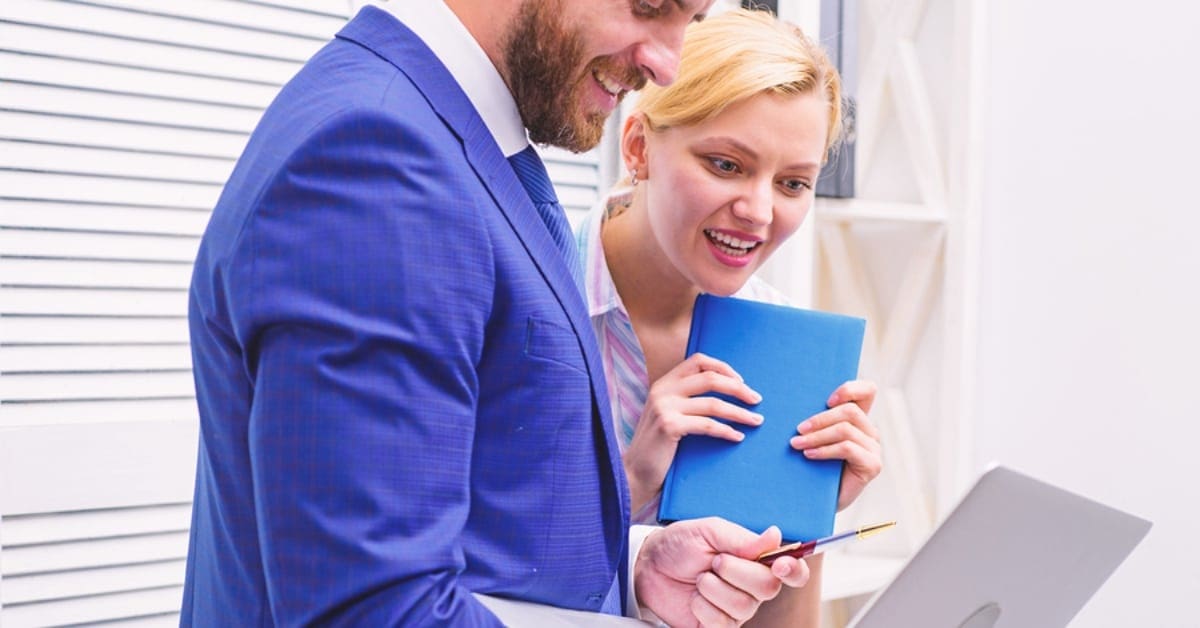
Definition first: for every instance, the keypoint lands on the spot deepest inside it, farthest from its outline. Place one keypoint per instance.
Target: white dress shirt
(470, 66)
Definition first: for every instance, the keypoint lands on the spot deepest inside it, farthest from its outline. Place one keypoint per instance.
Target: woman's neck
(653, 291)
(657, 297)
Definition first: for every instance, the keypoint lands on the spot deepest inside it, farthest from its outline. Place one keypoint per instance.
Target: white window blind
(119, 123)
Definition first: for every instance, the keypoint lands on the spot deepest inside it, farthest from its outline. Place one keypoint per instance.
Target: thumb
(768, 540)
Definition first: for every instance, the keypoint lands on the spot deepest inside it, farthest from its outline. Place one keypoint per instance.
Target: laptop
(1015, 553)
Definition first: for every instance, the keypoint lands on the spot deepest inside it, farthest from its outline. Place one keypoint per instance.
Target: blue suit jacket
(399, 390)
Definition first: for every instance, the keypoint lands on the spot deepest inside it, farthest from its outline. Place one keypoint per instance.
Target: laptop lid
(1015, 553)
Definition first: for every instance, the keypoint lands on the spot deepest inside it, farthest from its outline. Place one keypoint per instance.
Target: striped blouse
(622, 357)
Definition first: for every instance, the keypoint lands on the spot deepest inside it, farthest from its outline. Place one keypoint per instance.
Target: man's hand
(703, 573)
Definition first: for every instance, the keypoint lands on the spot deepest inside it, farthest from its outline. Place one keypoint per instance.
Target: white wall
(1090, 276)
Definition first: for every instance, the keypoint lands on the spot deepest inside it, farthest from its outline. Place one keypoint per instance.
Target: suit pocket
(551, 341)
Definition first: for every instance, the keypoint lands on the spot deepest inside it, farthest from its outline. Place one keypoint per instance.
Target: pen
(808, 548)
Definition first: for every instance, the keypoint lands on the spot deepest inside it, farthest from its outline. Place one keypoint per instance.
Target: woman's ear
(633, 145)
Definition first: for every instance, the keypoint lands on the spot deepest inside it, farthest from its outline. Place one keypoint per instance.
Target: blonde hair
(734, 56)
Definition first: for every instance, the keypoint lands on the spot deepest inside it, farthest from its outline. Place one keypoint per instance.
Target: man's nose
(658, 57)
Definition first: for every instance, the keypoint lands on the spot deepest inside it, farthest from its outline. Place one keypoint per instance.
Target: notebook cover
(795, 359)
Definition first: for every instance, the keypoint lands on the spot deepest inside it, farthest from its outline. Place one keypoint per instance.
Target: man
(399, 393)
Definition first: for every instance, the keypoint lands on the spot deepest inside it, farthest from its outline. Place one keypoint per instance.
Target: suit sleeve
(363, 282)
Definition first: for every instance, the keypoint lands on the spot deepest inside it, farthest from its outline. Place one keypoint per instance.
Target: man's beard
(543, 58)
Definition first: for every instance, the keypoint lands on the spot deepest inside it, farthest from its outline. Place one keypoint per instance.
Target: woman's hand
(674, 409)
(844, 432)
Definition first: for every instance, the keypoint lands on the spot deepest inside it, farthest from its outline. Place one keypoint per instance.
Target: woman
(722, 166)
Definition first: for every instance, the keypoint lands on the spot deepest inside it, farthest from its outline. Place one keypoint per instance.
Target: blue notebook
(795, 359)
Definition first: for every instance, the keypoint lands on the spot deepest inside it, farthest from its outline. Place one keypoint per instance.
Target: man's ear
(633, 145)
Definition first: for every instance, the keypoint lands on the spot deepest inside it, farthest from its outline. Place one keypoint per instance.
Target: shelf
(858, 210)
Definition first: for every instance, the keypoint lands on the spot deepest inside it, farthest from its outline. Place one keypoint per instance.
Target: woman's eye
(796, 185)
(724, 165)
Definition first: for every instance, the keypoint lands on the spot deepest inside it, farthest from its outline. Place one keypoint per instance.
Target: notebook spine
(698, 310)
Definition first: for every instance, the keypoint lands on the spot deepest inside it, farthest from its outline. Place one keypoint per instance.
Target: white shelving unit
(902, 254)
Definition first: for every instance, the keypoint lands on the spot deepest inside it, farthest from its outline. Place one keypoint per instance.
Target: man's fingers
(707, 614)
(728, 597)
(790, 571)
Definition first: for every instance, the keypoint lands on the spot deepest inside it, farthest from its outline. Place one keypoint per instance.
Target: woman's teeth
(729, 244)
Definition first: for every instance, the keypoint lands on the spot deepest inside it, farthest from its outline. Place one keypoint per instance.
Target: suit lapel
(387, 37)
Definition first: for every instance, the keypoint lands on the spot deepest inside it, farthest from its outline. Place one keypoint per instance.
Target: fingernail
(716, 562)
(804, 427)
(832, 401)
(799, 442)
(741, 436)
(757, 397)
(810, 452)
(758, 418)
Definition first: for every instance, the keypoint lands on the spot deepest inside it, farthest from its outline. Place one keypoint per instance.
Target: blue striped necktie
(532, 173)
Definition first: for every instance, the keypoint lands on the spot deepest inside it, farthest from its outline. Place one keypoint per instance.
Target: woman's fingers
(855, 454)
(705, 426)
(700, 374)
(846, 413)
(714, 382)
(842, 431)
(859, 391)
(698, 362)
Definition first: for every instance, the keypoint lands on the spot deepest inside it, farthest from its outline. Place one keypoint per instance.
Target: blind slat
(94, 553)
(247, 14)
(68, 216)
(92, 412)
(65, 101)
(55, 586)
(574, 174)
(131, 135)
(87, 75)
(56, 527)
(104, 302)
(112, 50)
(105, 190)
(161, 29)
(97, 245)
(93, 274)
(49, 329)
(100, 162)
(46, 388)
(25, 359)
(95, 609)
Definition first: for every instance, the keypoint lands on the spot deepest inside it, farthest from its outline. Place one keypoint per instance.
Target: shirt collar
(470, 66)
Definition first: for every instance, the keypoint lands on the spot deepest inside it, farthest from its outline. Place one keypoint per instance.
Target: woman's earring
(633, 178)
